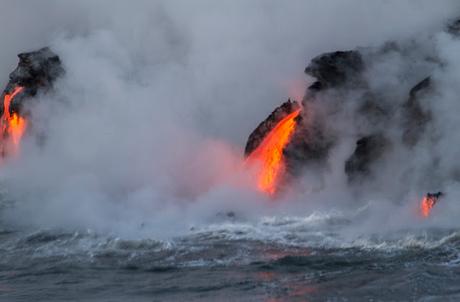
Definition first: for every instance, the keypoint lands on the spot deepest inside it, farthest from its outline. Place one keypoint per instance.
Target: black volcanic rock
(435, 195)
(258, 135)
(414, 117)
(347, 89)
(454, 27)
(368, 150)
(316, 86)
(335, 68)
(36, 70)
(309, 144)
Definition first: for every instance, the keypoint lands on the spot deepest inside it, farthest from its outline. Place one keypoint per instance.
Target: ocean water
(279, 258)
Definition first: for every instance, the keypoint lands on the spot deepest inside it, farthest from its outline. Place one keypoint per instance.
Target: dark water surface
(231, 262)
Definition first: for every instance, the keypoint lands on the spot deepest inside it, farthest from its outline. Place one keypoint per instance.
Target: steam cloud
(148, 125)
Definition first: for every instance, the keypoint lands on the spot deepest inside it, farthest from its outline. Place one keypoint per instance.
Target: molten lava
(428, 202)
(13, 126)
(269, 154)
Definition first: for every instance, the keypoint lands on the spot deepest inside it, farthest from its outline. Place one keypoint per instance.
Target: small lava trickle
(428, 202)
(12, 124)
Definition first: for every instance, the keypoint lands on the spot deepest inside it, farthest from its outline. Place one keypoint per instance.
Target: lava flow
(428, 202)
(269, 154)
(13, 126)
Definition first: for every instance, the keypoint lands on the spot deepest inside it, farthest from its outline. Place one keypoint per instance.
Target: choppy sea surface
(270, 259)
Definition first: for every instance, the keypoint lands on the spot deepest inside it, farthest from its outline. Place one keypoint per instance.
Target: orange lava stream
(270, 154)
(427, 205)
(13, 126)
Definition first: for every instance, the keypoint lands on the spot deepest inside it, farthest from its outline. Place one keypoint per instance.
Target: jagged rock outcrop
(36, 70)
(258, 135)
(310, 144)
(335, 69)
(369, 150)
(372, 94)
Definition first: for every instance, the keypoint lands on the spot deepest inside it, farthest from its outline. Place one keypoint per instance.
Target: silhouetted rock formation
(368, 150)
(258, 135)
(364, 94)
(335, 69)
(309, 144)
(36, 70)
(414, 117)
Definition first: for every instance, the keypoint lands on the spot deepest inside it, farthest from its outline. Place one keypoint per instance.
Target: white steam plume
(149, 122)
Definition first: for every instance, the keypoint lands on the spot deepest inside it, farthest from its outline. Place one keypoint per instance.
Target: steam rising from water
(144, 133)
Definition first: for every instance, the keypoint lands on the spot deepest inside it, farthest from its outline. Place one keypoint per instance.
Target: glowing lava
(428, 202)
(269, 154)
(13, 126)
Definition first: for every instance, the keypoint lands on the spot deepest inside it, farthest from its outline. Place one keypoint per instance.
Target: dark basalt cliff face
(310, 144)
(388, 122)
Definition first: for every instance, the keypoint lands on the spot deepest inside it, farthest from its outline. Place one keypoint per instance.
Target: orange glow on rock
(13, 125)
(269, 154)
(427, 204)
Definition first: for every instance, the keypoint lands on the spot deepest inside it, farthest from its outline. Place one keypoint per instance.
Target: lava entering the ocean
(428, 202)
(13, 126)
(269, 154)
